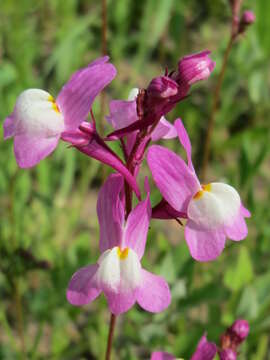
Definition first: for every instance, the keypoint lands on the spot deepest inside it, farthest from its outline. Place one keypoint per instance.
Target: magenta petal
(9, 129)
(122, 113)
(204, 245)
(81, 289)
(205, 350)
(245, 212)
(136, 228)
(184, 139)
(154, 293)
(99, 151)
(30, 151)
(160, 355)
(110, 212)
(238, 230)
(120, 302)
(164, 130)
(175, 180)
(77, 95)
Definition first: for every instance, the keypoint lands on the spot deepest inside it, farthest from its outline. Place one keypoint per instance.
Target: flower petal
(245, 212)
(205, 350)
(122, 113)
(110, 212)
(204, 245)
(136, 229)
(81, 289)
(120, 302)
(160, 355)
(29, 150)
(36, 114)
(216, 207)
(164, 130)
(77, 95)
(176, 182)
(238, 230)
(185, 141)
(9, 128)
(154, 293)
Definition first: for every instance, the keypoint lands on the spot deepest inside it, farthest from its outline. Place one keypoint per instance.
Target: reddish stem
(110, 337)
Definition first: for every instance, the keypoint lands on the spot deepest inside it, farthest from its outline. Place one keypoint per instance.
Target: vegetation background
(48, 224)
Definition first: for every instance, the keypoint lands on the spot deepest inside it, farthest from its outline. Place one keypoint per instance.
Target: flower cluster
(212, 212)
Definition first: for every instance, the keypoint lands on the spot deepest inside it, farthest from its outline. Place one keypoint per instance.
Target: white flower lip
(215, 207)
(119, 270)
(36, 114)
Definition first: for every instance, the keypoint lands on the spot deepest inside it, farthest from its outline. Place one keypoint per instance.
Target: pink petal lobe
(136, 228)
(9, 129)
(81, 289)
(164, 130)
(175, 180)
(245, 212)
(154, 293)
(205, 350)
(110, 212)
(204, 245)
(122, 113)
(29, 151)
(160, 355)
(120, 302)
(238, 230)
(185, 141)
(77, 95)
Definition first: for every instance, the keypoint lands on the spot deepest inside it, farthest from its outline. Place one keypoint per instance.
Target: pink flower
(205, 351)
(214, 211)
(118, 272)
(38, 120)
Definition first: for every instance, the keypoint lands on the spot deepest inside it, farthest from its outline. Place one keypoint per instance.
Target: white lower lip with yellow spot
(215, 205)
(37, 114)
(119, 270)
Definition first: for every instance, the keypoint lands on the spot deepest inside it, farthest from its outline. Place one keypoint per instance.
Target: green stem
(216, 100)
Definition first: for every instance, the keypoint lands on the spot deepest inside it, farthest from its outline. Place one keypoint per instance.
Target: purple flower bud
(162, 87)
(248, 17)
(227, 354)
(194, 68)
(240, 328)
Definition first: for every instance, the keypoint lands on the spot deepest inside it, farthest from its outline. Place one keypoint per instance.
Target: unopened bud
(162, 87)
(247, 19)
(240, 328)
(194, 68)
(227, 354)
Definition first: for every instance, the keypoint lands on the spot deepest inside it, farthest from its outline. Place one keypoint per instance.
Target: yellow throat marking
(200, 193)
(122, 254)
(54, 105)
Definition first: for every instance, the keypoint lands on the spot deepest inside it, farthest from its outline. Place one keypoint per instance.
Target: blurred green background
(48, 223)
